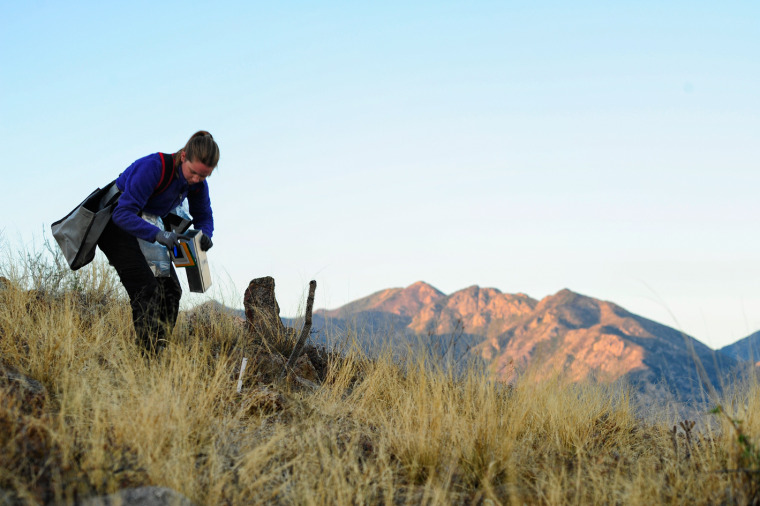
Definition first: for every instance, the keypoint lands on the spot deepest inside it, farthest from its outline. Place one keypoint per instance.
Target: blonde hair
(201, 147)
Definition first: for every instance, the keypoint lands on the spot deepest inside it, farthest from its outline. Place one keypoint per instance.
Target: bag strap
(167, 173)
(108, 197)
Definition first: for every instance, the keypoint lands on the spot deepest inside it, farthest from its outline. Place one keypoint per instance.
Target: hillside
(747, 349)
(86, 418)
(578, 335)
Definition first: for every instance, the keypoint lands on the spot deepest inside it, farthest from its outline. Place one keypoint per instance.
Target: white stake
(240, 378)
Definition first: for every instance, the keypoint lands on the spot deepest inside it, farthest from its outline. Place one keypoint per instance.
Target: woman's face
(195, 171)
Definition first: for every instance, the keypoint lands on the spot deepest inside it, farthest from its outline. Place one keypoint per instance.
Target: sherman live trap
(192, 258)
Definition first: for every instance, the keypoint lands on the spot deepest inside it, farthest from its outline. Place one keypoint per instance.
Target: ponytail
(201, 147)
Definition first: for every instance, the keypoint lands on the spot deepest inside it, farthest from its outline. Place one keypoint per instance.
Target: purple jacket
(138, 183)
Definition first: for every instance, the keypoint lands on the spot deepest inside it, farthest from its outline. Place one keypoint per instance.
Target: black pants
(154, 301)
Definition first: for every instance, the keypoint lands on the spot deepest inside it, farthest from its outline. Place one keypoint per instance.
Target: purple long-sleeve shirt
(138, 183)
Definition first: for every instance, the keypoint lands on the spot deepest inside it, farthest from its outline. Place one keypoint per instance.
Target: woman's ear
(181, 156)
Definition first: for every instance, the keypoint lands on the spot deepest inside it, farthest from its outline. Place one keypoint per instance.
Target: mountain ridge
(747, 349)
(579, 335)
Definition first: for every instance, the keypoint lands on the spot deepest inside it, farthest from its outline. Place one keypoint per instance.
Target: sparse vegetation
(374, 432)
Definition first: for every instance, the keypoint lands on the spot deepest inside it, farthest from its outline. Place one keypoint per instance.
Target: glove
(206, 243)
(168, 239)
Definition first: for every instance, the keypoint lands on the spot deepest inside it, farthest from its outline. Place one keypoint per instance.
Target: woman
(156, 184)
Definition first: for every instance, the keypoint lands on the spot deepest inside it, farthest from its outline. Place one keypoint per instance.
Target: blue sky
(528, 146)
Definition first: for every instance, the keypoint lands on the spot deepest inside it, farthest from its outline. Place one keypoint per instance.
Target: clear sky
(606, 147)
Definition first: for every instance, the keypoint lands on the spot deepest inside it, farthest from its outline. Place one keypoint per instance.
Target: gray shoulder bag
(78, 232)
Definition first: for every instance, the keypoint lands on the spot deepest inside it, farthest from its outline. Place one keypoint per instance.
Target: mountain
(581, 336)
(747, 349)
(403, 302)
(586, 337)
(424, 310)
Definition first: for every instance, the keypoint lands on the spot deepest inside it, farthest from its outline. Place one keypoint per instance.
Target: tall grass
(374, 432)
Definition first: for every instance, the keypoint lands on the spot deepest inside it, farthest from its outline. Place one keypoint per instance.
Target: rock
(267, 366)
(267, 400)
(8, 497)
(305, 369)
(142, 496)
(301, 382)
(27, 447)
(319, 359)
(31, 393)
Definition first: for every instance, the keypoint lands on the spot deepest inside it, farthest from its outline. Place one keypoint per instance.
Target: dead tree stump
(262, 319)
(262, 313)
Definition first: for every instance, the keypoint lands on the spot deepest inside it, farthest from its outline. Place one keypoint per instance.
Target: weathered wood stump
(262, 318)
(262, 313)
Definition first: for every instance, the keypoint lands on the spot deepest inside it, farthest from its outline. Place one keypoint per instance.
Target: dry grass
(374, 432)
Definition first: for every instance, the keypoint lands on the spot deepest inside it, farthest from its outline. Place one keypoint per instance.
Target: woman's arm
(137, 184)
(200, 208)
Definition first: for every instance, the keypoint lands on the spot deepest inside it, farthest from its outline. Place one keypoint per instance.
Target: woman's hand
(168, 239)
